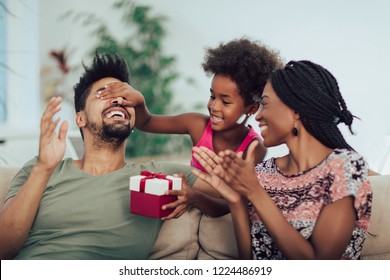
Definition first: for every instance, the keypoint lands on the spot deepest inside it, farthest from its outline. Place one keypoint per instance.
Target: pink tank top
(206, 140)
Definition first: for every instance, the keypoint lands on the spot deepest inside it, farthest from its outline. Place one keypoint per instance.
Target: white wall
(348, 37)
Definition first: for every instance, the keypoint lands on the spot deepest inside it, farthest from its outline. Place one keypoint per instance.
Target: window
(3, 66)
(20, 108)
(19, 65)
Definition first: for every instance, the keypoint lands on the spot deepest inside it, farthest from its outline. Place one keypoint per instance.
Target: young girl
(314, 202)
(240, 68)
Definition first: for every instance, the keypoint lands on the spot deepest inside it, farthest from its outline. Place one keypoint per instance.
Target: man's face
(106, 119)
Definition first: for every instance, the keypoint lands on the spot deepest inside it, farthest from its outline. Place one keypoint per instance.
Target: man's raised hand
(52, 146)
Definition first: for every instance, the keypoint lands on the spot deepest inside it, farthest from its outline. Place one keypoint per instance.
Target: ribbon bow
(151, 175)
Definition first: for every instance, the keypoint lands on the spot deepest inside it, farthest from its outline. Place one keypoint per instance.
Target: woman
(314, 202)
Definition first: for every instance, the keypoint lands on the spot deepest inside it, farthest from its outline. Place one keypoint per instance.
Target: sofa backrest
(6, 175)
(377, 244)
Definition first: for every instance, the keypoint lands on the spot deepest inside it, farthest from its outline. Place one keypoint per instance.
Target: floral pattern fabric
(301, 197)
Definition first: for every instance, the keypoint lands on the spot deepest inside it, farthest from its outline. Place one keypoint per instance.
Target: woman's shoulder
(349, 173)
(347, 156)
(350, 163)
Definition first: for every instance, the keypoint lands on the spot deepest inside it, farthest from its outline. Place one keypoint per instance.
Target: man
(79, 209)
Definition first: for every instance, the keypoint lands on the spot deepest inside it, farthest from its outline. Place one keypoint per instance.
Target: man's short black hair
(103, 66)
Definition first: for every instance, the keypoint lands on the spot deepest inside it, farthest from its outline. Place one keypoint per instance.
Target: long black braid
(313, 92)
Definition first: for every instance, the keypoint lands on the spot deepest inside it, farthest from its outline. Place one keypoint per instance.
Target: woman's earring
(295, 130)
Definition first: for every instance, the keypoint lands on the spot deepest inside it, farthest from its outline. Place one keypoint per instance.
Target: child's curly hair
(248, 63)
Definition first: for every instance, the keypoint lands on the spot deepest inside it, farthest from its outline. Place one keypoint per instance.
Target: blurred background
(44, 42)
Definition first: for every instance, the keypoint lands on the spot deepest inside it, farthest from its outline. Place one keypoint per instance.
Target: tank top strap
(251, 135)
(206, 140)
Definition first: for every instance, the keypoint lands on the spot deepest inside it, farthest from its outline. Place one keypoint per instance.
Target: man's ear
(80, 119)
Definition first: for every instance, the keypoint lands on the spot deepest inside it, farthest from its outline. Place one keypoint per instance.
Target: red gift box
(147, 193)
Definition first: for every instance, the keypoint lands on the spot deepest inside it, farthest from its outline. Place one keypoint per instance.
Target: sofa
(197, 236)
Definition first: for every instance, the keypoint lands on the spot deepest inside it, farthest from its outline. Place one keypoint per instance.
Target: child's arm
(195, 197)
(188, 123)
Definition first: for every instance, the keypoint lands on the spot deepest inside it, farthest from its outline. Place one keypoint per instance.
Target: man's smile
(116, 112)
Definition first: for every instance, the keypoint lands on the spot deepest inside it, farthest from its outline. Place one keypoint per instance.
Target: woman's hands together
(228, 173)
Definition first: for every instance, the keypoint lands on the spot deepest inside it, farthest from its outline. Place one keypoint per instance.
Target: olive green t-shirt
(82, 216)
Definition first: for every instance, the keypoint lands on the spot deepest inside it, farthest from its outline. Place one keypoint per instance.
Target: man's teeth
(262, 128)
(113, 113)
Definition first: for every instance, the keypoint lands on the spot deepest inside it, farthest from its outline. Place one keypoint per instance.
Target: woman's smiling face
(276, 119)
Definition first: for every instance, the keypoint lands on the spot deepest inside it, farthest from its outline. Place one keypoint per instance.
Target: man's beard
(115, 130)
(109, 135)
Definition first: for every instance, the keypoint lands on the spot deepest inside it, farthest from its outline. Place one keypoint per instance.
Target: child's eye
(226, 103)
(212, 97)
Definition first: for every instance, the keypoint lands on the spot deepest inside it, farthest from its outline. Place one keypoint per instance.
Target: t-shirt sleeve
(351, 179)
(20, 178)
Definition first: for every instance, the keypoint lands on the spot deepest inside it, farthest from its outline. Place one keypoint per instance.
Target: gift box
(147, 193)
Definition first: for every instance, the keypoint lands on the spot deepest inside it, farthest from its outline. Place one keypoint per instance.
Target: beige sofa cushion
(178, 238)
(216, 238)
(377, 244)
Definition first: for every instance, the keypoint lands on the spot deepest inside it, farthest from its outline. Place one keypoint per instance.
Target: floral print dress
(301, 197)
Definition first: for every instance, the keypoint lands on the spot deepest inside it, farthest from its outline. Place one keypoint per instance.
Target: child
(240, 68)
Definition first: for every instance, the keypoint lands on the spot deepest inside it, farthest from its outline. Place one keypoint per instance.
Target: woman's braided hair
(313, 92)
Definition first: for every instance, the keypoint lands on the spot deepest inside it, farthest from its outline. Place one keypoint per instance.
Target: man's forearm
(18, 213)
